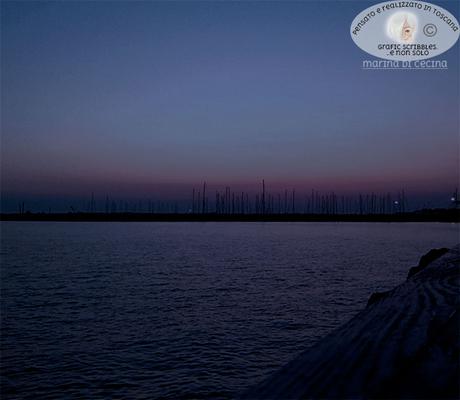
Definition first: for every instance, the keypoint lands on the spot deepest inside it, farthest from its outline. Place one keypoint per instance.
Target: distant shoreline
(436, 215)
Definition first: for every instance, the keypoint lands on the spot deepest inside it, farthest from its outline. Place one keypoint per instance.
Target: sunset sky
(145, 99)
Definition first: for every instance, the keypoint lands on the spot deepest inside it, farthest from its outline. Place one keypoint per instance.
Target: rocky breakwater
(404, 344)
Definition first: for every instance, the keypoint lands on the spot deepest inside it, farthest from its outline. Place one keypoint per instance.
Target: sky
(148, 99)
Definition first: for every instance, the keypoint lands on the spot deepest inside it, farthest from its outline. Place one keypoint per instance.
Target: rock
(406, 345)
(426, 260)
(376, 297)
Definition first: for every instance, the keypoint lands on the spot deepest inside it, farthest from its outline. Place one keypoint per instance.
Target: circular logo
(430, 30)
(405, 30)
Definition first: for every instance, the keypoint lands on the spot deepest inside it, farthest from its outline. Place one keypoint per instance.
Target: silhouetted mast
(285, 201)
(263, 196)
(293, 201)
(204, 198)
(193, 201)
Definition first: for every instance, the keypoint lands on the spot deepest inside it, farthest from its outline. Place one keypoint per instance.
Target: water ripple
(183, 310)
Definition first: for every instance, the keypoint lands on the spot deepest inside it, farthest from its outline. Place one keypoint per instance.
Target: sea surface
(184, 310)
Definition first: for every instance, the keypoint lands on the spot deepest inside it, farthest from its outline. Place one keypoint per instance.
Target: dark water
(184, 310)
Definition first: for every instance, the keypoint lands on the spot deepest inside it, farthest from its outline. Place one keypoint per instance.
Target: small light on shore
(452, 199)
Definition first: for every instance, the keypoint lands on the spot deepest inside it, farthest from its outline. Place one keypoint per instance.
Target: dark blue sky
(124, 97)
